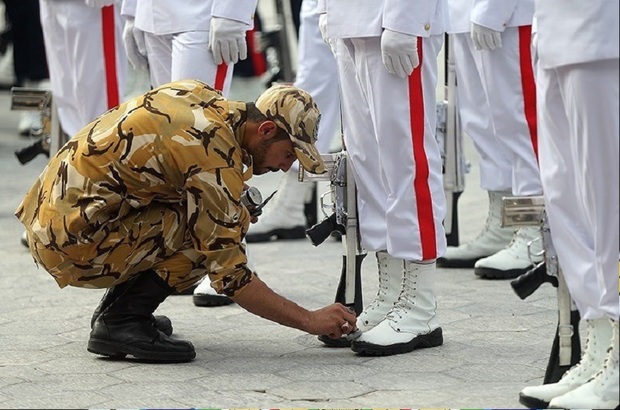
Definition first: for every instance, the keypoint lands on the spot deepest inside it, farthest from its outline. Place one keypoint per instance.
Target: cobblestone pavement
(495, 343)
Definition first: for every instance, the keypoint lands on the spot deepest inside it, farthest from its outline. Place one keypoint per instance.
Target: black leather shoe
(139, 339)
(125, 327)
(161, 322)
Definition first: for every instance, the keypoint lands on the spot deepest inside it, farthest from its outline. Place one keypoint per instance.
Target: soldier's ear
(267, 129)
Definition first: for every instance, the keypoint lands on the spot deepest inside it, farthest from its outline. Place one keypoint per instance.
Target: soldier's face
(272, 155)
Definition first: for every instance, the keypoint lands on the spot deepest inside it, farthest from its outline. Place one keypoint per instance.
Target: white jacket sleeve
(128, 8)
(499, 14)
(238, 10)
(414, 17)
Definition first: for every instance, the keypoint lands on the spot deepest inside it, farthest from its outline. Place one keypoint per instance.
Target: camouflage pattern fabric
(294, 110)
(152, 184)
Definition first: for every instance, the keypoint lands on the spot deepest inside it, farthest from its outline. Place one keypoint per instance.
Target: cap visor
(310, 158)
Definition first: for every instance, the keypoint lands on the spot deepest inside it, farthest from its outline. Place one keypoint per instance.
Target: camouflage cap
(294, 110)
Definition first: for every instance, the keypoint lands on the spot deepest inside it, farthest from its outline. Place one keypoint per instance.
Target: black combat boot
(126, 327)
(161, 322)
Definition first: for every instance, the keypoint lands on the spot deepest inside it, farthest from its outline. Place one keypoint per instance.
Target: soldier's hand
(399, 52)
(227, 40)
(485, 38)
(335, 320)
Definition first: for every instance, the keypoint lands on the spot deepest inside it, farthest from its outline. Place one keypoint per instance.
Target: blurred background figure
(29, 59)
(7, 72)
(285, 216)
(497, 108)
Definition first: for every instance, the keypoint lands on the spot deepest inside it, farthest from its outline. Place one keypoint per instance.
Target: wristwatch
(251, 197)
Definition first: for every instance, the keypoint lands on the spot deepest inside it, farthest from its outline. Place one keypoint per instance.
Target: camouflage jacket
(177, 144)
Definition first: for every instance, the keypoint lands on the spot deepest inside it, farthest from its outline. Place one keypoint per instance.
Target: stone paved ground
(495, 343)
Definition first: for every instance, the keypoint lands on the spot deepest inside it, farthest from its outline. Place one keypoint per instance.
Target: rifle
(343, 219)
(280, 44)
(450, 140)
(566, 348)
(50, 137)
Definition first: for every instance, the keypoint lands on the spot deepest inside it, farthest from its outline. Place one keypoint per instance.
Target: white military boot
(602, 391)
(599, 333)
(31, 121)
(390, 283)
(492, 239)
(412, 323)
(515, 259)
(205, 296)
(283, 217)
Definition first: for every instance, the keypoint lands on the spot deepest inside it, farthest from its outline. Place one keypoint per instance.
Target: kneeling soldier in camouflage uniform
(145, 201)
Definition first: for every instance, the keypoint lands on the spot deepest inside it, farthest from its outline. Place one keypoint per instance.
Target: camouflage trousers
(152, 238)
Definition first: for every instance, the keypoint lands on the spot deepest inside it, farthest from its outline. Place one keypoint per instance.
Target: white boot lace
(587, 365)
(607, 377)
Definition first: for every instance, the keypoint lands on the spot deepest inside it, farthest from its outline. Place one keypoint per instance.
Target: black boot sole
(490, 273)
(457, 263)
(212, 300)
(532, 402)
(298, 232)
(433, 339)
(119, 351)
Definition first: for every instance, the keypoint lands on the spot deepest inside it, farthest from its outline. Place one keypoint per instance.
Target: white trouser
(317, 74)
(579, 159)
(185, 55)
(389, 125)
(497, 106)
(87, 68)
(159, 52)
(191, 58)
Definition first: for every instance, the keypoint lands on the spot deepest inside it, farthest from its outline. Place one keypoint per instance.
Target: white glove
(99, 3)
(135, 47)
(323, 29)
(399, 52)
(227, 40)
(484, 38)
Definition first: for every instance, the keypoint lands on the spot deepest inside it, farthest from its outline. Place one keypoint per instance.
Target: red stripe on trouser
(426, 220)
(108, 30)
(528, 84)
(220, 76)
(256, 57)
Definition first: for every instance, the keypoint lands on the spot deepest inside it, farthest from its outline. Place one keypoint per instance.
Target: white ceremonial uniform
(177, 38)
(389, 124)
(317, 74)
(86, 59)
(577, 74)
(497, 92)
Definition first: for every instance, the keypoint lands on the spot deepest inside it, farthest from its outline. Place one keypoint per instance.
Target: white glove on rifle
(135, 48)
(323, 29)
(399, 52)
(227, 40)
(99, 3)
(485, 38)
